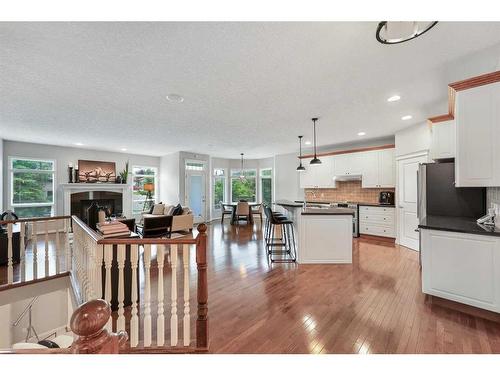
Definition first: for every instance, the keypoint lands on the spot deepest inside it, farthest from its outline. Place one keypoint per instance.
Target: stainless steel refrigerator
(437, 194)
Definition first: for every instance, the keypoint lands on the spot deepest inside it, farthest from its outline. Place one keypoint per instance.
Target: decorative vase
(118, 179)
(93, 215)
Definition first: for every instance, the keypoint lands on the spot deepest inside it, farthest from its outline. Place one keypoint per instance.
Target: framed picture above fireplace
(92, 171)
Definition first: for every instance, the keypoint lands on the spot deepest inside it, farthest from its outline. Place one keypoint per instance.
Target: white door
(407, 201)
(196, 194)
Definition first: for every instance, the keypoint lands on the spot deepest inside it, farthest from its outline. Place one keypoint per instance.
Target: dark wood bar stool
(280, 250)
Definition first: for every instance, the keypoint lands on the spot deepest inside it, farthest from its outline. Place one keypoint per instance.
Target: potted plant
(124, 174)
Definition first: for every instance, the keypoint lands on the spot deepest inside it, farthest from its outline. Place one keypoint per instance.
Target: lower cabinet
(377, 221)
(461, 267)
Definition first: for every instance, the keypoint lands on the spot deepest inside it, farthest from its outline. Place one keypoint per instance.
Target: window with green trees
(266, 185)
(219, 187)
(243, 187)
(144, 188)
(32, 187)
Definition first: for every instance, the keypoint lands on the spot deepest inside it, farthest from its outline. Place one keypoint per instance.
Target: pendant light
(394, 32)
(300, 168)
(242, 175)
(315, 160)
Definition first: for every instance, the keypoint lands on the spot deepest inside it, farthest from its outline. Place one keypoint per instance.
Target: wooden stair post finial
(88, 322)
(201, 263)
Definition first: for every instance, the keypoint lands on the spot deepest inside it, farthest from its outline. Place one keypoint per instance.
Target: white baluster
(120, 323)
(186, 322)
(46, 233)
(22, 249)
(134, 320)
(67, 252)
(160, 319)
(98, 287)
(147, 296)
(173, 317)
(34, 248)
(10, 270)
(108, 260)
(58, 247)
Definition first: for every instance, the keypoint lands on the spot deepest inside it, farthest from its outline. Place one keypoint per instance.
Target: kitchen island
(325, 235)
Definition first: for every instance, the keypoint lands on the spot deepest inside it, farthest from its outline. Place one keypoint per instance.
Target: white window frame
(231, 182)
(224, 195)
(12, 205)
(155, 196)
(260, 182)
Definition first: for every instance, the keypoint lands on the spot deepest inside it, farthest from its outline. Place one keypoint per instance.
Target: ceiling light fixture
(393, 98)
(300, 168)
(394, 32)
(307, 142)
(242, 175)
(407, 117)
(175, 98)
(123, 149)
(78, 144)
(315, 160)
(361, 133)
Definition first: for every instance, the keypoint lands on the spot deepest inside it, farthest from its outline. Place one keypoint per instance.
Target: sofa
(181, 222)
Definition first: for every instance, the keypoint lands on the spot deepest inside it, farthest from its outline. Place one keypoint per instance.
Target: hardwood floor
(374, 305)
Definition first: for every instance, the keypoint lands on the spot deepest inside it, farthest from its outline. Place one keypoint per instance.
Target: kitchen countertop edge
(458, 225)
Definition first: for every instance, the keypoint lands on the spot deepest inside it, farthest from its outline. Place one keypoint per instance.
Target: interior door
(407, 201)
(196, 194)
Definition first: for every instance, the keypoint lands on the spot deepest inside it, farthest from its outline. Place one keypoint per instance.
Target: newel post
(201, 263)
(88, 322)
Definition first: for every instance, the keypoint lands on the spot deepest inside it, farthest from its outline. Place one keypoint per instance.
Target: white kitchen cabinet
(378, 169)
(477, 119)
(350, 164)
(443, 140)
(377, 221)
(461, 267)
(318, 176)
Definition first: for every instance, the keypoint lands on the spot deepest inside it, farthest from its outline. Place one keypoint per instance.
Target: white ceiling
(248, 87)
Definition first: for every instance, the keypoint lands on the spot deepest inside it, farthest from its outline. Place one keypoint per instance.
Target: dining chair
(243, 211)
(226, 210)
(257, 210)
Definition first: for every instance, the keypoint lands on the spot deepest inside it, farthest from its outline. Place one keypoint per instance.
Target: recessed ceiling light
(123, 149)
(361, 133)
(307, 142)
(407, 117)
(393, 98)
(175, 98)
(78, 144)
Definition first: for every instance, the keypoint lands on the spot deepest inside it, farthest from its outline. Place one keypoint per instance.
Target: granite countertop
(328, 211)
(358, 203)
(287, 203)
(458, 224)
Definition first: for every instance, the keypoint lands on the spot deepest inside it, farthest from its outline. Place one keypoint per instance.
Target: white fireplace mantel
(124, 189)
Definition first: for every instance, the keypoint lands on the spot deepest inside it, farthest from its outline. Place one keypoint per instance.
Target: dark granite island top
(287, 203)
(458, 224)
(328, 211)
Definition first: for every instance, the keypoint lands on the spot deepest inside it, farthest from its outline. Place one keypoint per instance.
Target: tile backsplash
(350, 191)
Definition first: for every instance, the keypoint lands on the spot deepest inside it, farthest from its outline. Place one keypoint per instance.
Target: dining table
(233, 206)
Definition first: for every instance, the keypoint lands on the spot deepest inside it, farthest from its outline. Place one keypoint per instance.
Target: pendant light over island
(315, 160)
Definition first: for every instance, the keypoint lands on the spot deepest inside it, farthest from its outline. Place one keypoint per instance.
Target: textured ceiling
(248, 87)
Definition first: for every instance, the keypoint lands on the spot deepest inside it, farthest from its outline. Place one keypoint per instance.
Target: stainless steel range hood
(348, 177)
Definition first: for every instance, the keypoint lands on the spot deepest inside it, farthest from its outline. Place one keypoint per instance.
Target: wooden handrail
(92, 233)
(147, 241)
(33, 219)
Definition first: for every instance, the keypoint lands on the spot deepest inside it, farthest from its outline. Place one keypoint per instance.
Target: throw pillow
(177, 210)
(152, 207)
(158, 209)
(168, 209)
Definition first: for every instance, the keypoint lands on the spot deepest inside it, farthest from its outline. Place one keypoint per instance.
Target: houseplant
(124, 174)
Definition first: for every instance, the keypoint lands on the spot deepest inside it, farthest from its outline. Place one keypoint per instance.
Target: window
(32, 187)
(266, 185)
(243, 189)
(195, 166)
(219, 187)
(144, 188)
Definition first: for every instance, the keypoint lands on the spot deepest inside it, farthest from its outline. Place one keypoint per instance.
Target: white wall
(286, 178)
(416, 138)
(63, 156)
(169, 178)
(1, 176)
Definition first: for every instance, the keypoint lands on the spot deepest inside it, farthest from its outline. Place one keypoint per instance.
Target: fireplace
(111, 201)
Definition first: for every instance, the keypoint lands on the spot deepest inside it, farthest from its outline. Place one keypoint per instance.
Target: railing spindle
(10, 269)
(173, 312)
(108, 261)
(34, 247)
(120, 323)
(58, 248)
(147, 295)
(186, 321)
(46, 241)
(67, 247)
(160, 319)
(22, 249)
(134, 320)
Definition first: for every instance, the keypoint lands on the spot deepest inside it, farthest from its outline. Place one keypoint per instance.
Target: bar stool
(268, 212)
(286, 244)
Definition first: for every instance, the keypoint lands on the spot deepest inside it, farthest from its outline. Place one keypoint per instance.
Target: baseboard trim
(377, 238)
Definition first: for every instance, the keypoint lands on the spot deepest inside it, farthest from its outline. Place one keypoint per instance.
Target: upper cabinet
(443, 140)
(348, 164)
(318, 176)
(477, 119)
(378, 169)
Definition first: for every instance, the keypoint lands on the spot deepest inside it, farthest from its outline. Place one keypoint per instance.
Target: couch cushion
(158, 209)
(168, 209)
(186, 210)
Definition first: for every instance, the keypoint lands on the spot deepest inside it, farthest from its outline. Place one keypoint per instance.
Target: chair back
(226, 207)
(242, 208)
(257, 208)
